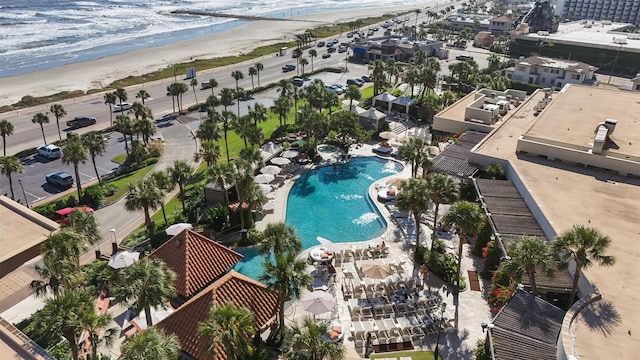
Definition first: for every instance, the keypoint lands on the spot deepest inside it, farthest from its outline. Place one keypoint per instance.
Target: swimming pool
(332, 203)
(327, 149)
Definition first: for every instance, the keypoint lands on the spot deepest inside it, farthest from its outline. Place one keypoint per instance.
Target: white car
(122, 107)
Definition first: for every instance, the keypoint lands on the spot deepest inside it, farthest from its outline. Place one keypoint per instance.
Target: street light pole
(436, 354)
(26, 202)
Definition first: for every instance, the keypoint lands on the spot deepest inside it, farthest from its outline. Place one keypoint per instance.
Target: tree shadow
(601, 316)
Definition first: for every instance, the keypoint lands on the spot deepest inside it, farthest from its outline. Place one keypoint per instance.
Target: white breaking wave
(365, 218)
(390, 168)
(367, 176)
(350, 196)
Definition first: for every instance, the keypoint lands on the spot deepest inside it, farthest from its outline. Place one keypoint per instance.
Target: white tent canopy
(403, 102)
(385, 99)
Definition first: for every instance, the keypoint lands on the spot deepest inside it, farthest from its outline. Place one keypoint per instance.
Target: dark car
(321, 43)
(366, 78)
(331, 49)
(326, 55)
(297, 81)
(81, 121)
(60, 179)
(463, 57)
(356, 82)
(288, 68)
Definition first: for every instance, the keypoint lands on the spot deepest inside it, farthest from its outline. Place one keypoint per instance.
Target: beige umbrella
(318, 302)
(280, 161)
(387, 135)
(264, 178)
(271, 169)
(375, 270)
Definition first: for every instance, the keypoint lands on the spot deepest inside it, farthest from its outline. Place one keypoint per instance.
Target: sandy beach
(241, 39)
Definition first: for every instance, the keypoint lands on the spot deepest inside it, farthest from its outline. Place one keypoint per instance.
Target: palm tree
(228, 327)
(9, 165)
(41, 119)
(287, 276)
(413, 151)
(180, 173)
(278, 238)
(96, 144)
(237, 75)
(303, 62)
(124, 125)
(227, 118)
(144, 195)
(442, 189)
(163, 182)
(59, 112)
(253, 72)
(307, 342)
(281, 107)
(258, 113)
(64, 314)
(209, 152)
(494, 62)
(213, 83)
(75, 153)
(94, 324)
(208, 130)
(584, 246)
(110, 100)
(226, 97)
(352, 93)
(194, 84)
(239, 93)
(413, 196)
(85, 224)
(259, 67)
(60, 269)
(121, 94)
(526, 256)
(143, 95)
(6, 129)
(145, 284)
(312, 54)
(153, 343)
(467, 218)
(172, 90)
(284, 88)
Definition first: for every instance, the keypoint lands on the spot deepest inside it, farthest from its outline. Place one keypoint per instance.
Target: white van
(49, 151)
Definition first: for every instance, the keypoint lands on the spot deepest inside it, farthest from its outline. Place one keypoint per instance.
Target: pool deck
(473, 309)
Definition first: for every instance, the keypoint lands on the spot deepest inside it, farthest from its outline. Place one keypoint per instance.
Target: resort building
(397, 48)
(574, 162)
(613, 10)
(479, 111)
(601, 43)
(501, 24)
(23, 230)
(551, 72)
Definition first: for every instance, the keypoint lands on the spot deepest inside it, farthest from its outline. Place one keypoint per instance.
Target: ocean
(42, 34)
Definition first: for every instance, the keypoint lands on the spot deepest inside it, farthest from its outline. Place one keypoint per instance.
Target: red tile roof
(196, 260)
(235, 287)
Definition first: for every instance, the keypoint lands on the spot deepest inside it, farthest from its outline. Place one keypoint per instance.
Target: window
(522, 68)
(575, 76)
(555, 71)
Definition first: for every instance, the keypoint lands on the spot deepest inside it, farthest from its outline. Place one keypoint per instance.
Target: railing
(27, 344)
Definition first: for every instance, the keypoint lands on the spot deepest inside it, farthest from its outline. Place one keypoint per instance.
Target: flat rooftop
(599, 35)
(591, 106)
(21, 232)
(569, 195)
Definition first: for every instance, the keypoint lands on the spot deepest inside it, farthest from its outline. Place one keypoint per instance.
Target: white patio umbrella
(271, 169)
(280, 161)
(318, 302)
(123, 259)
(387, 135)
(289, 154)
(264, 178)
(265, 189)
(176, 229)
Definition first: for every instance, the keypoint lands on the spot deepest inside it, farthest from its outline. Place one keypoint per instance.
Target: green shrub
(217, 218)
(482, 239)
(109, 189)
(93, 196)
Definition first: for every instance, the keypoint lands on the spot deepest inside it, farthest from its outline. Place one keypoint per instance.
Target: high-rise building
(626, 11)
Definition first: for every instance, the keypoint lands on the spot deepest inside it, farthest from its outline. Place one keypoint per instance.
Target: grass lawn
(414, 355)
(123, 181)
(119, 159)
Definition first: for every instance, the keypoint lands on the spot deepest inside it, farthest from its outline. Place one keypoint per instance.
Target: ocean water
(41, 34)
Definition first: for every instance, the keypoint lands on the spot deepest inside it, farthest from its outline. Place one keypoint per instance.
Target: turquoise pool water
(327, 148)
(331, 203)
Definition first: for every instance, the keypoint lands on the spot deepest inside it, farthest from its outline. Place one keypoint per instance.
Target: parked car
(60, 179)
(366, 78)
(49, 151)
(342, 49)
(122, 107)
(331, 49)
(334, 89)
(356, 82)
(205, 85)
(321, 43)
(288, 68)
(81, 121)
(344, 88)
(297, 81)
(326, 55)
(464, 57)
